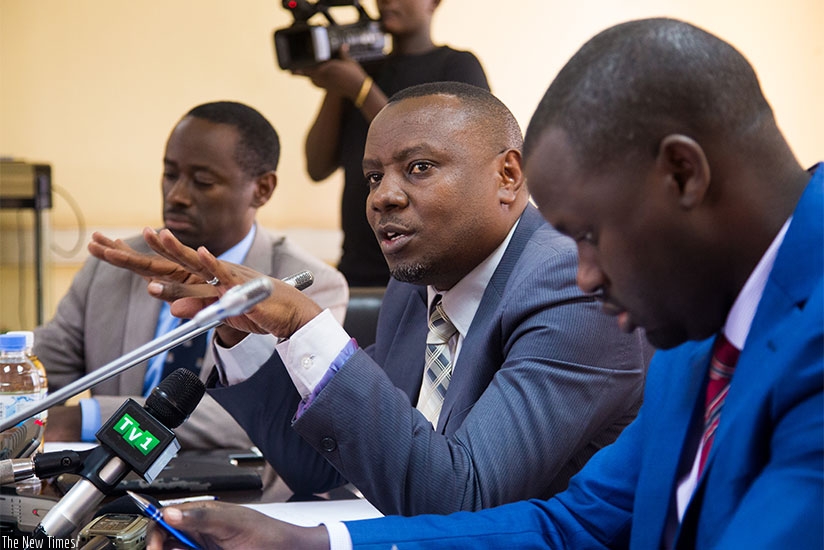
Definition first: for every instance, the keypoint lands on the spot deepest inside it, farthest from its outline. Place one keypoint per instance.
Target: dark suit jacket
(107, 313)
(543, 380)
(762, 486)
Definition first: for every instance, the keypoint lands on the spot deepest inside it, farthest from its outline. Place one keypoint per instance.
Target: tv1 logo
(139, 439)
(129, 429)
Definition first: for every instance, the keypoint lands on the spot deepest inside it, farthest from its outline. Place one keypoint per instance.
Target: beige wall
(93, 87)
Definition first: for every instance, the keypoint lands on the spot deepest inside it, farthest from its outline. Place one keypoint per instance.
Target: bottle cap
(29, 335)
(12, 342)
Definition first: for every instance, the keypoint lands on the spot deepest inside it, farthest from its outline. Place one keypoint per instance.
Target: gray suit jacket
(544, 379)
(107, 313)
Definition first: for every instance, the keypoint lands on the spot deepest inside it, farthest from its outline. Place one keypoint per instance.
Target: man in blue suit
(540, 377)
(655, 149)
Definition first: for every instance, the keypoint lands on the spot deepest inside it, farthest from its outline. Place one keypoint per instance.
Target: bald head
(637, 82)
(487, 113)
(652, 147)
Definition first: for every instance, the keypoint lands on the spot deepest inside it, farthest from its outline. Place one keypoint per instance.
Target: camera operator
(354, 95)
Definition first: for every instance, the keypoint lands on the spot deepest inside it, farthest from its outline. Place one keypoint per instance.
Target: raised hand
(149, 266)
(192, 279)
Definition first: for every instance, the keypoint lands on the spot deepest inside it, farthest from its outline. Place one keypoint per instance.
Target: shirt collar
(462, 300)
(740, 317)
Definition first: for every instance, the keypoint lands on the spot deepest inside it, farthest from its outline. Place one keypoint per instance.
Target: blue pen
(153, 513)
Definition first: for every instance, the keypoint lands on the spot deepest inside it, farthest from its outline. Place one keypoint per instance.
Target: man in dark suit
(539, 377)
(219, 168)
(655, 149)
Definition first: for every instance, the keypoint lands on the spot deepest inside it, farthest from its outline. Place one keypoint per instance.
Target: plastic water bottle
(41, 370)
(19, 388)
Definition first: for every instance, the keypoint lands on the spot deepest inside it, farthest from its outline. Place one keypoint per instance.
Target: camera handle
(302, 10)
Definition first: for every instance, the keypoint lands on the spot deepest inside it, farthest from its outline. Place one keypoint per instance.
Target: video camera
(303, 45)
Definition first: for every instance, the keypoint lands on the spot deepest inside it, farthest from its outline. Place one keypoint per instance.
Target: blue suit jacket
(543, 380)
(763, 485)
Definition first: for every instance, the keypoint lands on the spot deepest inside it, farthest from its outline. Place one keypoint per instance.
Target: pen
(152, 512)
(199, 498)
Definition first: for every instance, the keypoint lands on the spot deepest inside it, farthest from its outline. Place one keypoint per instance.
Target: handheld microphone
(135, 438)
(240, 298)
(43, 465)
(235, 301)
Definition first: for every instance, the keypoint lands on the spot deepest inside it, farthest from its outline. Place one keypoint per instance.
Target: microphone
(300, 281)
(234, 302)
(135, 438)
(43, 465)
(18, 441)
(240, 298)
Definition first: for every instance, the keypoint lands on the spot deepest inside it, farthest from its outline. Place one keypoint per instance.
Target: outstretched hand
(179, 275)
(148, 266)
(221, 525)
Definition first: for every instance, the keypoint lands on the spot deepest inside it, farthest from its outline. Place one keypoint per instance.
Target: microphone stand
(184, 332)
(235, 301)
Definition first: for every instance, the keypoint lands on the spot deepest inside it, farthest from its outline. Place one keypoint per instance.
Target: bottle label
(11, 403)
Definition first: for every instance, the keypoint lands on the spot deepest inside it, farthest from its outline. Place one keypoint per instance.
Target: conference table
(187, 477)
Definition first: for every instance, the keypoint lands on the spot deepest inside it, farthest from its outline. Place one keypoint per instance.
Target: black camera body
(303, 45)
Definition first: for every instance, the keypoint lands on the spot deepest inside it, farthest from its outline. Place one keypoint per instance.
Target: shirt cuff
(241, 361)
(90, 419)
(339, 538)
(311, 350)
(348, 351)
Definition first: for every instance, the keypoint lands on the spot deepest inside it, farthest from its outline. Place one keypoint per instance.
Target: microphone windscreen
(302, 280)
(174, 399)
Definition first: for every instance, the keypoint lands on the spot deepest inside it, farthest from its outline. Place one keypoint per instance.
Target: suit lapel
(405, 356)
(260, 257)
(669, 447)
(141, 322)
(480, 355)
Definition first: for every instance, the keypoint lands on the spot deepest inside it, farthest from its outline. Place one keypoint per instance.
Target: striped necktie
(438, 367)
(722, 365)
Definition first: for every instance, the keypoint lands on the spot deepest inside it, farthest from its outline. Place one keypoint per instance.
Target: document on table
(311, 513)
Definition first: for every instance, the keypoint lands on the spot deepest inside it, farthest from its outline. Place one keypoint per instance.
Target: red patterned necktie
(722, 365)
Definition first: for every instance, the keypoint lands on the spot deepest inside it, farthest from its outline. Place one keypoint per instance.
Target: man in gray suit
(219, 168)
(539, 378)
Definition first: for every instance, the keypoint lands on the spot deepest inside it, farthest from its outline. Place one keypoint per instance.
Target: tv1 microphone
(134, 438)
(43, 465)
